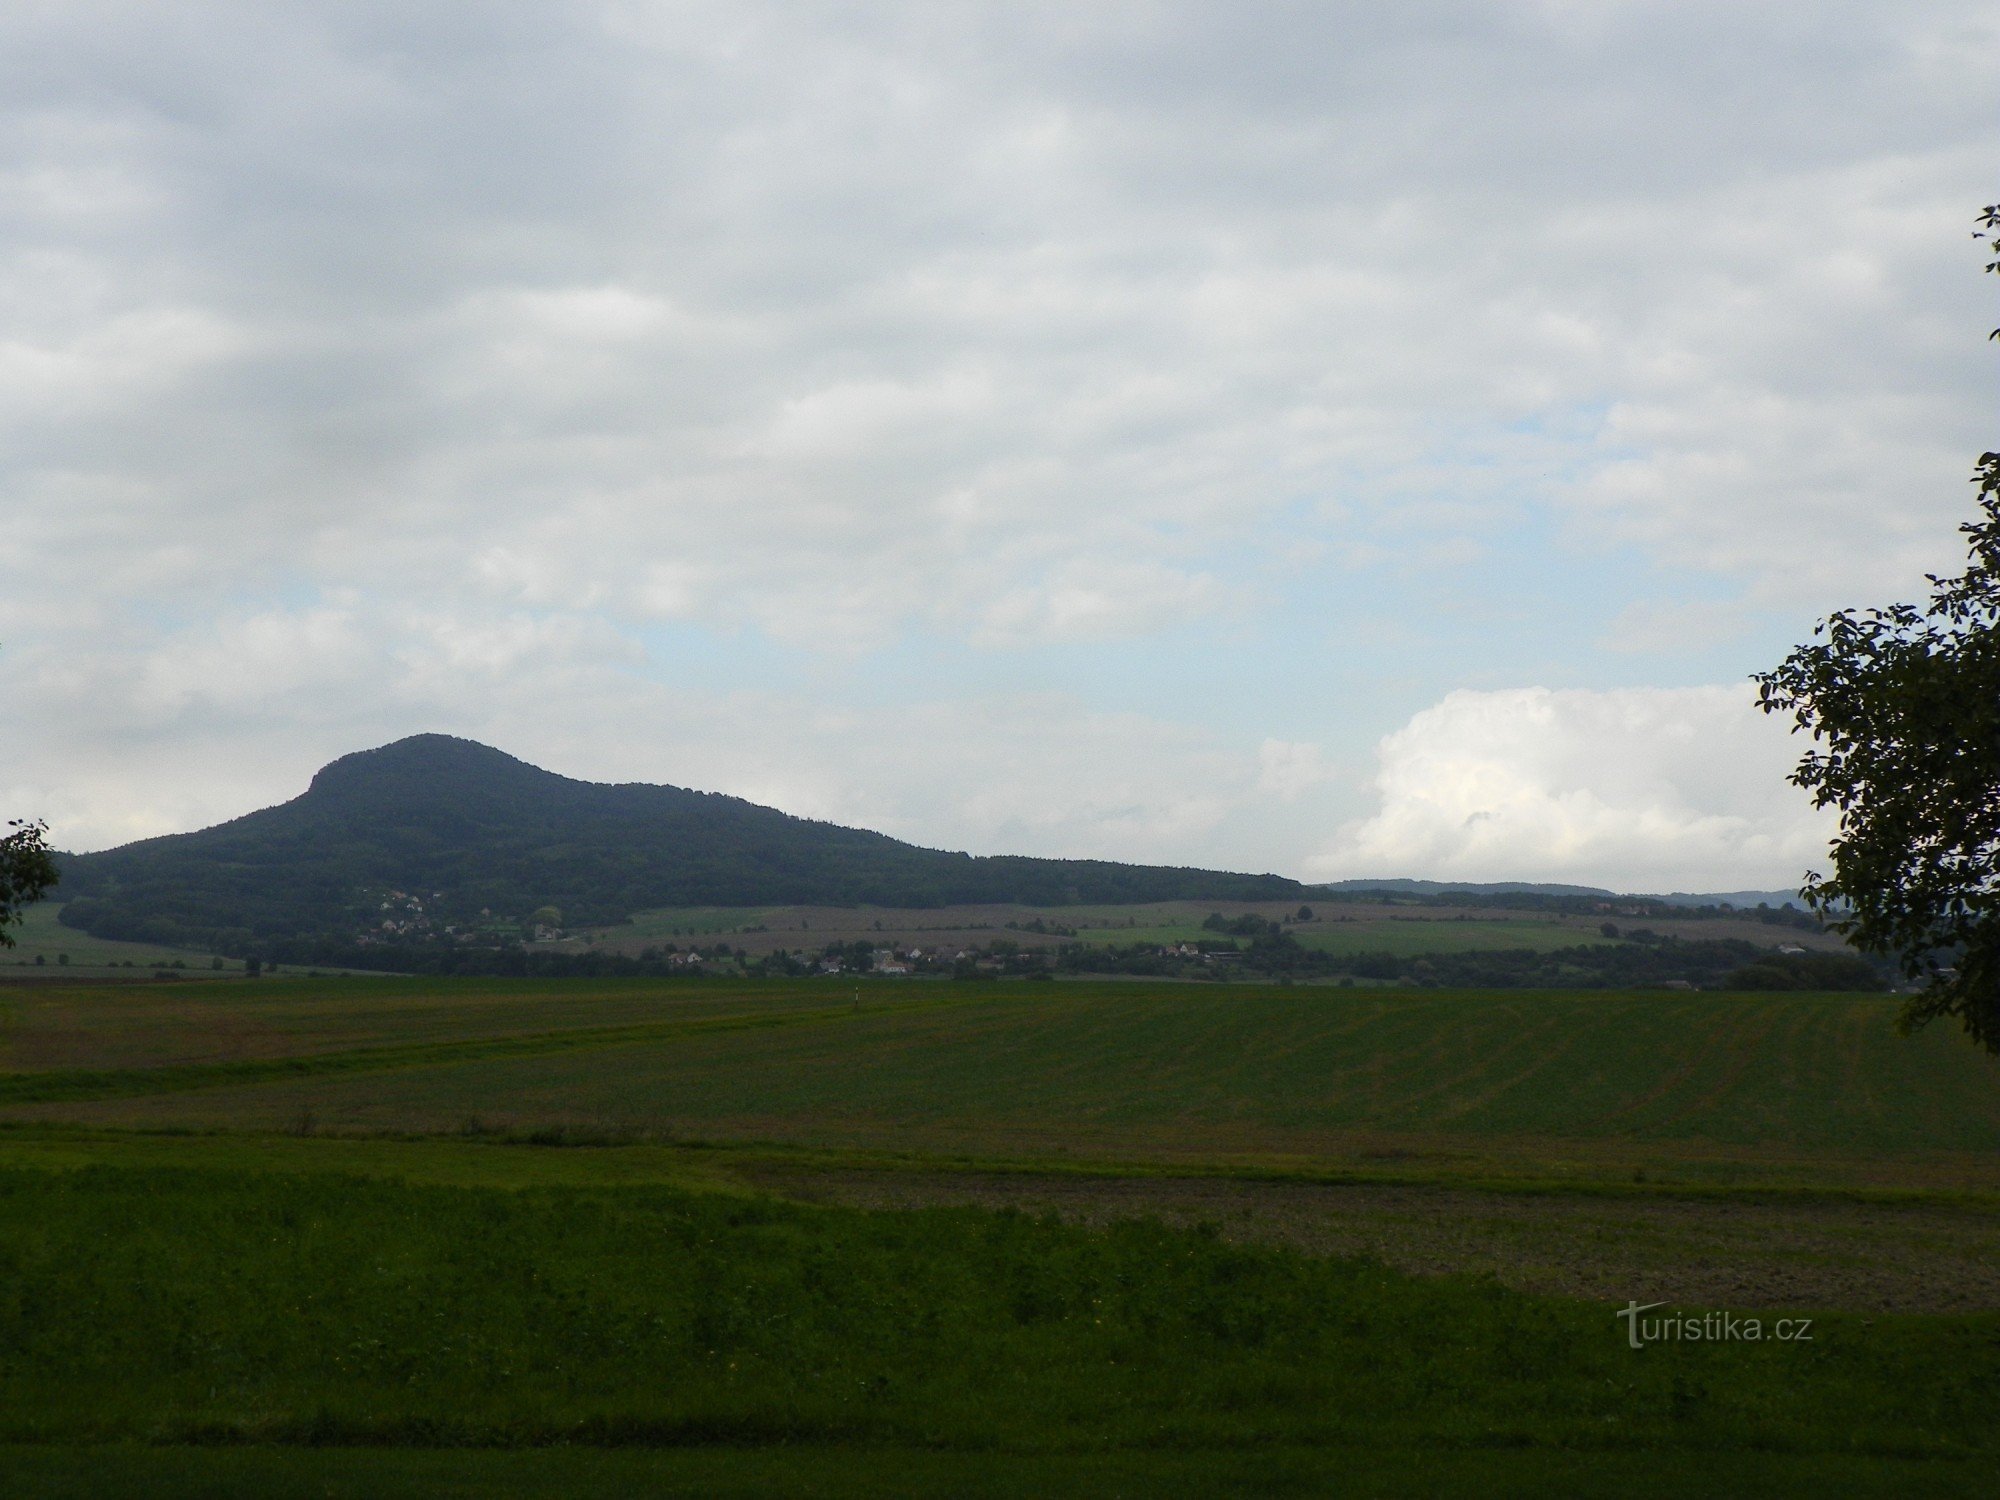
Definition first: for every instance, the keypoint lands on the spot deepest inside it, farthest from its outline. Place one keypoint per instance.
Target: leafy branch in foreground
(27, 873)
(1903, 707)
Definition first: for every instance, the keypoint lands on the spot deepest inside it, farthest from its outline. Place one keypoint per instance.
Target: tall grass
(186, 1305)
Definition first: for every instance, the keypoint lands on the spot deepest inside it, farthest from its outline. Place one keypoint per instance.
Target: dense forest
(1720, 963)
(1708, 964)
(441, 842)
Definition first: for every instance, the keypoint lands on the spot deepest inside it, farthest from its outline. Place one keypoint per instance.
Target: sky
(1338, 439)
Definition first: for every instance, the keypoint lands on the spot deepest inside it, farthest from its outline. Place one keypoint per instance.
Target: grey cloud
(995, 325)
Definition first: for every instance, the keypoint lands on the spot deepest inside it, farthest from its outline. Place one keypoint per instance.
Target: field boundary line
(76, 1084)
(747, 1161)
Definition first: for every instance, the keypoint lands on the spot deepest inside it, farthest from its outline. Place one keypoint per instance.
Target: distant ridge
(1747, 899)
(1484, 888)
(1731, 898)
(453, 834)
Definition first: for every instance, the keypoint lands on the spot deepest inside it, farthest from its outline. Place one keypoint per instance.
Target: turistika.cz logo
(1709, 1327)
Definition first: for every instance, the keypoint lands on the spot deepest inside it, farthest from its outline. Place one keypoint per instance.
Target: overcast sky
(1339, 439)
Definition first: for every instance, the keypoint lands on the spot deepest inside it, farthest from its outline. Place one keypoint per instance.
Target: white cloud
(1287, 768)
(1084, 598)
(771, 299)
(1038, 773)
(1667, 627)
(1636, 789)
(946, 355)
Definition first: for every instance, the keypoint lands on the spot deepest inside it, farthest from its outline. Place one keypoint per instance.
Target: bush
(1807, 971)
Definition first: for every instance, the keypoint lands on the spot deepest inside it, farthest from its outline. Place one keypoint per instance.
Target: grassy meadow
(1403, 936)
(42, 942)
(84, 1027)
(372, 1236)
(1345, 927)
(1774, 1087)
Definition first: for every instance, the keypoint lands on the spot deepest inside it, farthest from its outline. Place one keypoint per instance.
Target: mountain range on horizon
(480, 841)
(483, 840)
(1403, 886)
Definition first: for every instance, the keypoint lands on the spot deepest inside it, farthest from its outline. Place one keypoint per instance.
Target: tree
(1903, 706)
(27, 873)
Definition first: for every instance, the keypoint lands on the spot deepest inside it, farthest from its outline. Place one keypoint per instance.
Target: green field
(1403, 936)
(368, 1236)
(39, 935)
(1717, 1084)
(1336, 927)
(860, 1472)
(86, 1027)
(685, 922)
(205, 1307)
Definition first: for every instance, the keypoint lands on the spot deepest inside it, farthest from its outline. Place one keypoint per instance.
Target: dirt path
(1693, 1252)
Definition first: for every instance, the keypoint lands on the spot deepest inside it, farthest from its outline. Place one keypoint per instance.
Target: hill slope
(481, 840)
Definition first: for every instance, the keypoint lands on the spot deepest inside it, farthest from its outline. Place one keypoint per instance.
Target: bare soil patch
(1692, 1252)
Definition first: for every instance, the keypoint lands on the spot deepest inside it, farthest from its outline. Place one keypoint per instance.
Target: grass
(83, 1083)
(1403, 937)
(1652, 1241)
(668, 923)
(40, 935)
(1802, 1084)
(169, 1306)
(102, 1026)
(1913, 1254)
(1339, 927)
(275, 1301)
(862, 1472)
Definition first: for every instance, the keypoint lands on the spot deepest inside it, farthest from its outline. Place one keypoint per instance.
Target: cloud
(1636, 789)
(1022, 772)
(1090, 598)
(1154, 358)
(770, 288)
(1681, 625)
(1287, 768)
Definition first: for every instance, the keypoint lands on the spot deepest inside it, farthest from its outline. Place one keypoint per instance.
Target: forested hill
(480, 841)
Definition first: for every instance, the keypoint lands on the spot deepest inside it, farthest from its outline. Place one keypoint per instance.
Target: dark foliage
(1564, 903)
(1806, 971)
(1903, 706)
(27, 873)
(1728, 963)
(1249, 925)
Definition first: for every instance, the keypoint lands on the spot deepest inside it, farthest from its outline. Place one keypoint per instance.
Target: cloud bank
(1246, 376)
(1648, 789)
